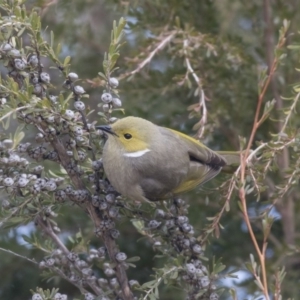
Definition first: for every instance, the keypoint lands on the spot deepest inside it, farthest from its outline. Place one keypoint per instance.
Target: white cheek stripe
(137, 153)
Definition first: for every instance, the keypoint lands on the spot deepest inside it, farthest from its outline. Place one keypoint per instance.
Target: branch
(18, 255)
(146, 61)
(202, 104)
(13, 111)
(244, 156)
(46, 227)
(110, 243)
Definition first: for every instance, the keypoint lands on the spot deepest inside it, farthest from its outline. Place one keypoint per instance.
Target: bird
(147, 162)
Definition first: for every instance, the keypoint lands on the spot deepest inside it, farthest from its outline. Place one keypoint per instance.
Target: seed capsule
(78, 90)
(113, 82)
(79, 105)
(106, 98)
(72, 76)
(45, 77)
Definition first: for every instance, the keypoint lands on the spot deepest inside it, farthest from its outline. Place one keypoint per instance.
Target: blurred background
(230, 41)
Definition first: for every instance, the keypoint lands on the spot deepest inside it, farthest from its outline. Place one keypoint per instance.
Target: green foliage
(215, 68)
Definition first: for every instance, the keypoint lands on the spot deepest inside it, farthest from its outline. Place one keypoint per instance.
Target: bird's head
(131, 135)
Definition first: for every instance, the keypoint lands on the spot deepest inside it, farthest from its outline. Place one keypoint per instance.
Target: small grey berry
(186, 227)
(214, 296)
(97, 165)
(24, 162)
(60, 195)
(59, 296)
(2, 101)
(106, 97)
(39, 137)
(14, 159)
(103, 205)
(42, 265)
(121, 256)
(20, 64)
(113, 82)
(106, 107)
(116, 102)
(38, 89)
(38, 169)
(57, 252)
(33, 61)
(87, 271)
(113, 212)
(160, 213)
(50, 119)
(69, 114)
(72, 256)
(72, 76)
(45, 77)
(204, 281)
(53, 98)
(79, 105)
(153, 224)
(170, 224)
(6, 47)
(197, 249)
(133, 283)
(191, 269)
(112, 120)
(7, 143)
(102, 282)
(114, 233)
(8, 181)
(114, 283)
(81, 155)
(199, 272)
(5, 204)
(22, 182)
(56, 229)
(23, 147)
(88, 296)
(50, 186)
(81, 264)
(35, 79)
(14, 53)
(157, 244)
(4, 160)
(50, 262)
(78, 130)
(36, 297)
(78, 90)
(110, 198)
(182, 219)
(109, 272)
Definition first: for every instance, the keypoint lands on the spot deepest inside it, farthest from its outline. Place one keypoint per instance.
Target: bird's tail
(233, 160)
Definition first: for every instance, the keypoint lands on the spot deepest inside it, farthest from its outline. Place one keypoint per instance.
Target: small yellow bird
(145, 162)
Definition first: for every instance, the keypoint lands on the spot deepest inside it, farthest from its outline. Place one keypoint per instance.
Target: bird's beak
(107, 128)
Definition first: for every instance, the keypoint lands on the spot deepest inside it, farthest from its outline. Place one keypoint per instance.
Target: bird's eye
(127, 136)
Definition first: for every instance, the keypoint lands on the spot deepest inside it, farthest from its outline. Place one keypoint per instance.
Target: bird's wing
(199, 152)
(204, 162)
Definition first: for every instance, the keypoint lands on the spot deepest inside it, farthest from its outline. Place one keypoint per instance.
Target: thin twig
(242, 195)
(289, 115)
(18, 255)
(47, 228)
(13, 111)
(158, 282)
(49, 231)
(197, 79)
(148, 59)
